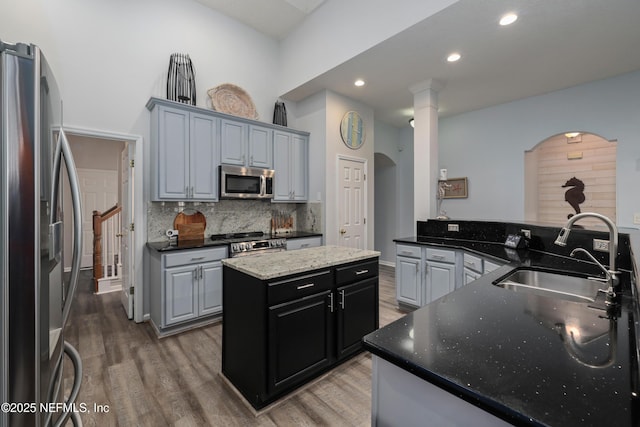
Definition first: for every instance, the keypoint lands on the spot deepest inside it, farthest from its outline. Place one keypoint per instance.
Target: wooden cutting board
(190, 225)
(190, 232)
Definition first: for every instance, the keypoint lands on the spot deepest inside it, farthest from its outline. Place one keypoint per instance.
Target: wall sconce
(573, 137)
(412, 123)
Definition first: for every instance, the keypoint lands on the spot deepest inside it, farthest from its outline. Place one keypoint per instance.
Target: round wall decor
(352, 130)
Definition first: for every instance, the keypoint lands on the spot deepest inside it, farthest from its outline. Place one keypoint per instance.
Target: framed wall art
(352, 130)
(456, 188)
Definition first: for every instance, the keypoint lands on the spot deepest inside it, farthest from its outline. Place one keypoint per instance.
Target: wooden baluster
(97, 248)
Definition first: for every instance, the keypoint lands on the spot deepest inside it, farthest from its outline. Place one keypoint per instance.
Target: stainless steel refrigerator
(34, 298)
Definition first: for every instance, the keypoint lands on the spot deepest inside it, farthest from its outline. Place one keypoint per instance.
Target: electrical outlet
(453, 227)
(636, 218)
(600, 245)
(526, 233)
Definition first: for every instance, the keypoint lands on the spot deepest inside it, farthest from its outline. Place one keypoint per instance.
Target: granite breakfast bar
(291, 316)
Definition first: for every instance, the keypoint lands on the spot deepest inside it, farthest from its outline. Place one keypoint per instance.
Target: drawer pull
(469, 263)
(308, 285)
(406, 252)
(438, 256)
(197, 258)
(361, 272)
(304, 245)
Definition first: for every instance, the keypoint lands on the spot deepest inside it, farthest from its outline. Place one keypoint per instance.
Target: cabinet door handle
(308, 285)
(342, 299)
(361, 272)
(331, 302)
(201, 272)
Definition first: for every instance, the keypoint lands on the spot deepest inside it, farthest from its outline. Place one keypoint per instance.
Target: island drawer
(407, 250)
(299, 287)
(195, 257)
(355, 272)
(441, 255)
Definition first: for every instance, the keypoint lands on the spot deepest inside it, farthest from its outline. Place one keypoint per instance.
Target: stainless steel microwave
(238, 182)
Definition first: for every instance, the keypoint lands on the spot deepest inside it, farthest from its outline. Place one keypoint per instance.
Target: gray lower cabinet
(290, 159)
(408, 280)
(186, 286)
(440, 273)
(473, 267)
(184, 150)
(425, 273)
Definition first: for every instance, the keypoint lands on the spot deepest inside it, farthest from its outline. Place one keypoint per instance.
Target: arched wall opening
(567, 174)
(385, 207)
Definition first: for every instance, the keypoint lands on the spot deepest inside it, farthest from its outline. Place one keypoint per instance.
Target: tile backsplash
(230, 216)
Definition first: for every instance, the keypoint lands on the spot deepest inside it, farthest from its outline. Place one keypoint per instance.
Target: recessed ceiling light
(508, 19)
(454, 57)
(359, 82)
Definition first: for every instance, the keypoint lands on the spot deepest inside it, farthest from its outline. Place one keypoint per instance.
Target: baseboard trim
(388, 263)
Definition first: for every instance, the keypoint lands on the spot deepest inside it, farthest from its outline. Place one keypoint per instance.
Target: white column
(425, 149)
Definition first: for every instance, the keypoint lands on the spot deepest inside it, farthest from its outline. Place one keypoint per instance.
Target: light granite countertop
(277, 264)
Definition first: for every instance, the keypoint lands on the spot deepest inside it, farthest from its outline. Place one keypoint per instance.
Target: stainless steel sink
(555, 285)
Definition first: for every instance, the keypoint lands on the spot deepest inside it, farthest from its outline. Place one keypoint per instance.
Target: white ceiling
(553, 45)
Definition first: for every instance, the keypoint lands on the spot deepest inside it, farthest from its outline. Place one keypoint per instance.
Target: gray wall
(488, 145)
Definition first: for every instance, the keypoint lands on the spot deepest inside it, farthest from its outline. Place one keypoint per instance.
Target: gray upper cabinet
(291, 157)
(188, 144)
(184, 149)
(244, 144)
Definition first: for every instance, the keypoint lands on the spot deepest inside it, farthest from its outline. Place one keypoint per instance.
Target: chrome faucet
(611, 273)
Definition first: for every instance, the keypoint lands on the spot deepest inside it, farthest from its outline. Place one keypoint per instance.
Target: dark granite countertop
(512, 354)
(177, 245)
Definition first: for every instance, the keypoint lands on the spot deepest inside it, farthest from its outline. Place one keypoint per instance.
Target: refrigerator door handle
(63, 149)
(73, 354)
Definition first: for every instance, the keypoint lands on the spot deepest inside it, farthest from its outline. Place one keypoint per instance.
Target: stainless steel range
(251, 243)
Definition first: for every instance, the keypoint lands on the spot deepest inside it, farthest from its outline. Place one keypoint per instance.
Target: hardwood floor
(175, 381)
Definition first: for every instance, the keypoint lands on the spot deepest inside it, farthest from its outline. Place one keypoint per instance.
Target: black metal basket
(181, 80)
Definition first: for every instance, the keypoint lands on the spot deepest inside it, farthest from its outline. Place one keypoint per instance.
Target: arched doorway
(570, 173)
(385, 207)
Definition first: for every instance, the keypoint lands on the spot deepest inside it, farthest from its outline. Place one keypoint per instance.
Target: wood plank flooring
(175, 381)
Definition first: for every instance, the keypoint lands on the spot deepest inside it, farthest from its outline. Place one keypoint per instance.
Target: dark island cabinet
(278, 334)
(300, 340)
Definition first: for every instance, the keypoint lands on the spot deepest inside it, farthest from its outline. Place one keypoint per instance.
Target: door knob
(342, 231)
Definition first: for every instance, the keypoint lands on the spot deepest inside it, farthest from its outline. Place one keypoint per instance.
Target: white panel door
(99, 190)
(127, 242)
(351, 203)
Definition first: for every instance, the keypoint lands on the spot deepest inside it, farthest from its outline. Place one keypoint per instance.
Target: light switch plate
(636, 218)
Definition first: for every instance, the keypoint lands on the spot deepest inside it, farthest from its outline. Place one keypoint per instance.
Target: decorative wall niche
(567, 175)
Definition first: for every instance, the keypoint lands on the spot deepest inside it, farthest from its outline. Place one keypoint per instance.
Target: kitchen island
(291, 316)
(489, 355)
